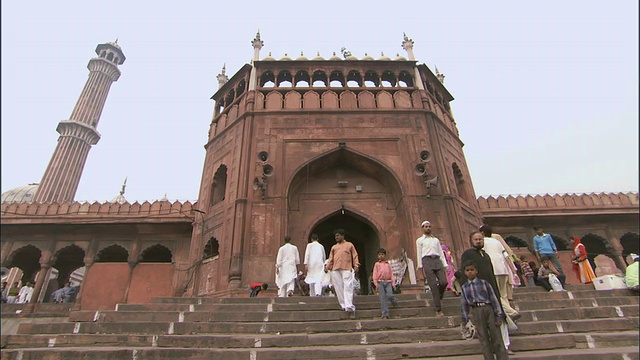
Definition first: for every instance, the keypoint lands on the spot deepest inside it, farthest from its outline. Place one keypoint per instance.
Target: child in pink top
(385, 282)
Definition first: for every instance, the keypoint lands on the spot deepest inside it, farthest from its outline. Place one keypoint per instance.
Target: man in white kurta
(314, 257)
(286, 268)
(499, 256)
(24, 296)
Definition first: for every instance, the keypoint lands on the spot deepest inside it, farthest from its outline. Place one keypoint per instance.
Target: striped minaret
(60, 180)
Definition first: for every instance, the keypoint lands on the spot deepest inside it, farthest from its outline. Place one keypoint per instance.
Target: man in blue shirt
(545, 248)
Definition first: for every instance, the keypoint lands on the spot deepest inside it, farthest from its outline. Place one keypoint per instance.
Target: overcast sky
(546, 92)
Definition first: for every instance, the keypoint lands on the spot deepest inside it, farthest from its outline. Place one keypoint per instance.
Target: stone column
(43, 274)
(132, 266)
(88, 261)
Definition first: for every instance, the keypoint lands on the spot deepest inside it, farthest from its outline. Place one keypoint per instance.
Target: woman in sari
(450, 266)
(581, 264)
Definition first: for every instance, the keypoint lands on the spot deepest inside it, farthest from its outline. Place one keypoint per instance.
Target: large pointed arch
(348, 158)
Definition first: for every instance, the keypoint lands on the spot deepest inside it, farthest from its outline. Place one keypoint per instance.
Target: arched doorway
(27, 258)
(350, 190)
(66, 262)
(597, 245)
(358, 231)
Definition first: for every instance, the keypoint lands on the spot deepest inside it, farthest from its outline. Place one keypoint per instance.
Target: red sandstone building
(295, 147)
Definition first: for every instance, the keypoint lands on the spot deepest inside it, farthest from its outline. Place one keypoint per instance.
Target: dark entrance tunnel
(360, 233)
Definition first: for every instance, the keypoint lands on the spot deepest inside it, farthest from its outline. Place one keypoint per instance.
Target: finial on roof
(257, 42)
(116, 40)
(222, 77)
(439, 75)
(346, 53)
(407, 45)
(120, 199)
(164, 198)
(124, 185)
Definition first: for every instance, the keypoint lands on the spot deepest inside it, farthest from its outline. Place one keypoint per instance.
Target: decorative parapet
(567, 203)
(92, 213)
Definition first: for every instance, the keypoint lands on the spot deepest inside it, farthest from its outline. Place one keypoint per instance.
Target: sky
(546, 92)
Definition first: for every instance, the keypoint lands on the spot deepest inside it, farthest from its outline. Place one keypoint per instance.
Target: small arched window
(461, 185)
(219, 185)
(211, 248)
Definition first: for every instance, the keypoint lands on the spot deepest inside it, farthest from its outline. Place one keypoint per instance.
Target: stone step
(360, 350)
(544, 347)
(294, 315)
(609, 353)
(537, 293)
(371, 301)
(268, 327)
(580, 321)
(519, 342)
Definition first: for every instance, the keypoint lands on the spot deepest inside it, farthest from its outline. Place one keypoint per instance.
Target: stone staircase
(581, 323)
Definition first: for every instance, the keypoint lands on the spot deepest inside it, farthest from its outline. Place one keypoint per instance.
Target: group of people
(489, 272)
(337, 271)
(15, 294)
(22, 295)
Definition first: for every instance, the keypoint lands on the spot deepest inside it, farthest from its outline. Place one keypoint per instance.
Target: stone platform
(581, 323)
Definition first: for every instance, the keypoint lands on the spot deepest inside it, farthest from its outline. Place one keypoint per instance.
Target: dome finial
(439, 75)
(407, 45)
(120, 199)
(124, 185)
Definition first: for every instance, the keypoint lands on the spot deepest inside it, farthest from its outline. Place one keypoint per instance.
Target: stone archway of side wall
(597, 245)
(362, 232)
(630, 245)
(27, 259)
(105, 285)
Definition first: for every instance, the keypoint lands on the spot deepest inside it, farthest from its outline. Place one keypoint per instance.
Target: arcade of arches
(126, 264)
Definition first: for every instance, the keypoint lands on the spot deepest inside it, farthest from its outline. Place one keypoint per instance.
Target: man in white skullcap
(433, 264)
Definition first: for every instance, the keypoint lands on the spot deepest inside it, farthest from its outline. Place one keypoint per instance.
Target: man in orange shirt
(343, 264)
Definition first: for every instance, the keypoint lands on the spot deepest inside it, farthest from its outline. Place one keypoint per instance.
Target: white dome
(22, 194)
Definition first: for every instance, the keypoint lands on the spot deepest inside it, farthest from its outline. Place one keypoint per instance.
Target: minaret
(257, 44)
(60, 180)
(222, 78)
(407, 45)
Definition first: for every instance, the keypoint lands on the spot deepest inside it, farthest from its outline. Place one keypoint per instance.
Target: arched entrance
(358, 231)
(27, 258)
(346, 189)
